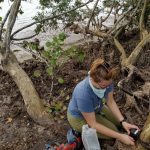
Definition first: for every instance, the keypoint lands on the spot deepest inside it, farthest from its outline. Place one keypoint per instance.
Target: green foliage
(38, 28)
(56, 55)
(76, 53)
(60, 80)
(56, 7)
(117, 3)
(37, 73)
(55, 107)
(1, 18)
(31, 45)
(49, 70)
(53, 52)
(44, 2)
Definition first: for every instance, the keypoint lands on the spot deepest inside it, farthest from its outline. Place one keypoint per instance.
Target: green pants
(105, 118)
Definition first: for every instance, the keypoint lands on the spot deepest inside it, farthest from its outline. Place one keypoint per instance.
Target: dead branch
(92, 14)
(3, 23)
(143, 31)
(11, 21)
(48, 18)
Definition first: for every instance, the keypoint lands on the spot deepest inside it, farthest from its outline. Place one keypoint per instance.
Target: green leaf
(32, 46)
(49, 70)
(48, 44)
(58, 106)
(1, 18)
(49, 110)
(53, 62)
(55, 40)
(81, 57)
(45, 54)
(37, 73)
(62, 36)
(60, 80)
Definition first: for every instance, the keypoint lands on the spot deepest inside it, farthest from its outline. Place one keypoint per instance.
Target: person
(93, 103)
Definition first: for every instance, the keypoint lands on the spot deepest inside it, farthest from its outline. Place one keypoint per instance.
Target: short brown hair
(102, 70)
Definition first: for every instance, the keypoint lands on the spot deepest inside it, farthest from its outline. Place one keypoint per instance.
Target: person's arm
(113, 107)
(115, 110)
(91, 121)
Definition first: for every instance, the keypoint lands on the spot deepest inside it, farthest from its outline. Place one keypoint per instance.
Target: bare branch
(118, 32)
(77, 29)
(103, 20)
(11, 22)
(48, 18)
(119, 20)
(134, 55)
(121, 49)
(143, 31)
(92, 14)
(93, 18)
(113, 30)
(3, 22)
(29, 37)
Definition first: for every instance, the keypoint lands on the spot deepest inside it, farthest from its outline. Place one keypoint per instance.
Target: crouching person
(92, 103)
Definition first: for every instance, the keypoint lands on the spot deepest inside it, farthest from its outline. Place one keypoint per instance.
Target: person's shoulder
(110, 87)
(83, 83)
(82, 87)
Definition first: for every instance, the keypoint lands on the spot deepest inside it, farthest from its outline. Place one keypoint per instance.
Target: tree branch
(121, 49)
(3, 22)
(134, 55)
(48, 18)
(77, 29)
(113, 30)
(143, 31)
(11, 22)
(29, 37)
(92, 18)
(118, 21)
(92, 14)
(103, 20)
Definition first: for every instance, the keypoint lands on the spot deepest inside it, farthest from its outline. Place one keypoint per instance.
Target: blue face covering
(99, 92)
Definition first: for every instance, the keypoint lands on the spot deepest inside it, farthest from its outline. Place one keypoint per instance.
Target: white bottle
(89, 138)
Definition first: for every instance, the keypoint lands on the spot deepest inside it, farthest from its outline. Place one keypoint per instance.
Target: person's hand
(127, 126)
(126, 139)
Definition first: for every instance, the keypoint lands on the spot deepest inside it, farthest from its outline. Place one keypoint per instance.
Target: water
(30, 9)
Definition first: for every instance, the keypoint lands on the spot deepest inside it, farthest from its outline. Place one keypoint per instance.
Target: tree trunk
(34, 106)
(145, 135)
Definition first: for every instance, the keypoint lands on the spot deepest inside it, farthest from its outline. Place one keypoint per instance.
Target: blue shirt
(85, 100)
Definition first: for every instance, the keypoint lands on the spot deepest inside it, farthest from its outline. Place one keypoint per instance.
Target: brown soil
(17, 129)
